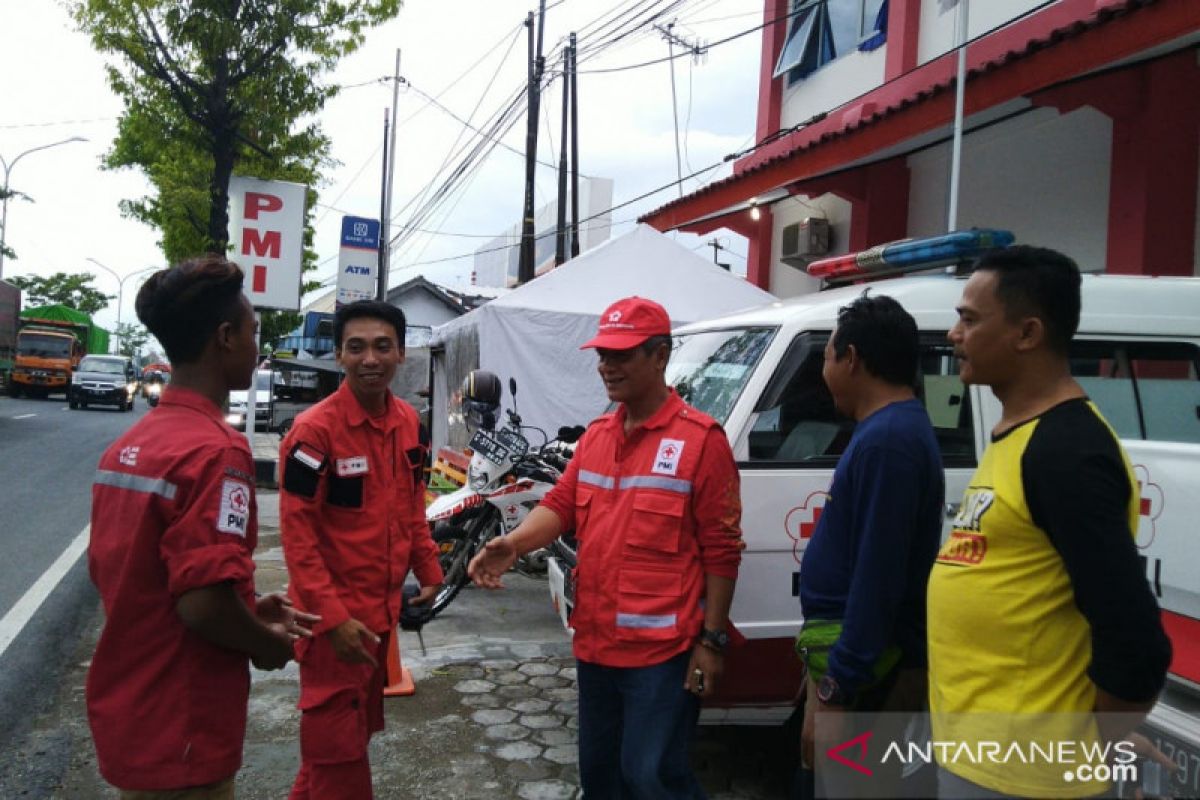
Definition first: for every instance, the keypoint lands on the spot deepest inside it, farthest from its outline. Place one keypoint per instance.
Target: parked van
(758, 373)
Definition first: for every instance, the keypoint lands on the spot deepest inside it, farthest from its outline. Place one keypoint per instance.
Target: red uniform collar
(189, 398)
(658, 419)
(356, 415)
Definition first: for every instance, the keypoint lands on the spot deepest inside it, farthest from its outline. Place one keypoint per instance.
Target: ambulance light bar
(910, 255)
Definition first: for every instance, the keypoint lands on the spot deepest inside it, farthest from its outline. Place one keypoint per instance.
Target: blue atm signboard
(358, 260)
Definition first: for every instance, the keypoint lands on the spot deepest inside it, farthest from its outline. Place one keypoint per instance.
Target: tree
(211, 86)
(133, 339)
(63, 289)
(9, 194)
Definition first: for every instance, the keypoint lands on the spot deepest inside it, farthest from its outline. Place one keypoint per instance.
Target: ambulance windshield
(710, 369)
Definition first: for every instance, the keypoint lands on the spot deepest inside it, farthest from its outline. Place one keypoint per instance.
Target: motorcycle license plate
(483, 443)
(499, 447)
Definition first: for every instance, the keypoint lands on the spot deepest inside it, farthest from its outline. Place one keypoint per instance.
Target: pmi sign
(266, 221)
(358, 260)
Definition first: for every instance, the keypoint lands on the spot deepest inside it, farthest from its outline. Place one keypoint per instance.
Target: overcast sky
(52, 87)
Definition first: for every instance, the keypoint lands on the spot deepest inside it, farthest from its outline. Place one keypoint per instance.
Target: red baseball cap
(629, 322)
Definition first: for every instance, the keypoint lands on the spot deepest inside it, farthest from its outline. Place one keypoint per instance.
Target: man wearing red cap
(653, 495)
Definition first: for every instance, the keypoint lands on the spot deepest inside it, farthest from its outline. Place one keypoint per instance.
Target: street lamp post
(8, 166)
(120, 291)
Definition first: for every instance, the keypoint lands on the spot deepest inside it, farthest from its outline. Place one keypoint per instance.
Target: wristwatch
(715, 640)
(830, 693)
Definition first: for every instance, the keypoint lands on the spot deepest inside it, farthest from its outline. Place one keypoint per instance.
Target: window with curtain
(821, 30)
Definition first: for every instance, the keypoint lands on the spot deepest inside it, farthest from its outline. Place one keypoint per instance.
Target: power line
(16, 125)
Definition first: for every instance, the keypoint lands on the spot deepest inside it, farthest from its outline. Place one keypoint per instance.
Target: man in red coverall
(653, 495)
(352, 514)
(173, 531)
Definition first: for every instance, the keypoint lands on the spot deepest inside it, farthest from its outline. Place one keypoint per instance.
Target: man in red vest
(653, 495)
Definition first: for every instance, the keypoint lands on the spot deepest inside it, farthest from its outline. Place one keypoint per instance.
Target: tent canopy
(533, 333)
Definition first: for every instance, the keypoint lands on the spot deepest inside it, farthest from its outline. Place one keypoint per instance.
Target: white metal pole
(251, 394)
(8, 165)
(959, 93)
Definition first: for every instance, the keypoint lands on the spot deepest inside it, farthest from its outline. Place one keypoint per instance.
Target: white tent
(533, 333)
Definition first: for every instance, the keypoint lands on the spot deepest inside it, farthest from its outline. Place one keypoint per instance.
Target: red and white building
(1081, 132)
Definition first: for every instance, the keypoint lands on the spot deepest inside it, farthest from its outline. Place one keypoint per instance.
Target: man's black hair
(1038, 282)
(184, 305)
(883, 334)
(651, 345)
(369, 309)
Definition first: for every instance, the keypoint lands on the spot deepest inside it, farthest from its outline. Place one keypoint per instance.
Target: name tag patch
(356, 465)
(234, 514)
(666, 461)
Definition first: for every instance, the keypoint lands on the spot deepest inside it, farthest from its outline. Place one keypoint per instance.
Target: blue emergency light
(907, 255)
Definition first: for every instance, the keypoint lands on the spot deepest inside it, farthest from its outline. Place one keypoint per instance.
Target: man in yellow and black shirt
(1037, 603)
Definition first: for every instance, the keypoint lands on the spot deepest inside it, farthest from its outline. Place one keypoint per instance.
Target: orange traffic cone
(400, 681)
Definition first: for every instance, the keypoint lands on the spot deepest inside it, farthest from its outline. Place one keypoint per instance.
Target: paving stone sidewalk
(494, 714)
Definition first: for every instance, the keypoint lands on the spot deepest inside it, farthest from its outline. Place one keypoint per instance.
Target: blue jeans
(635, 729)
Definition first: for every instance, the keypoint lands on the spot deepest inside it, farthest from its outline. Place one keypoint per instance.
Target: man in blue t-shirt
(863, 574)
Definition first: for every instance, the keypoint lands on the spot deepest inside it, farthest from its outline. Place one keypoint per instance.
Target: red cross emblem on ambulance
(802, 520)
(1150, 506)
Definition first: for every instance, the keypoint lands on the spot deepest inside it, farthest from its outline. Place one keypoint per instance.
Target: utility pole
(385, 221)
(697, 51)
(381, 279)
(560, 233)
(574, 148)
(536, 66)
(717, 247)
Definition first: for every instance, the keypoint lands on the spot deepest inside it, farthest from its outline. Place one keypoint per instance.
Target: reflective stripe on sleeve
(596, 479)
(645, 620)
(136, 483)
(656, 482)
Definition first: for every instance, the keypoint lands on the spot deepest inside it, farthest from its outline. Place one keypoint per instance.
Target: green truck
(50, 342)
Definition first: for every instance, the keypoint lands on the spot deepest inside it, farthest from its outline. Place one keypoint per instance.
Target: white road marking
(24, 609)
(24, 416)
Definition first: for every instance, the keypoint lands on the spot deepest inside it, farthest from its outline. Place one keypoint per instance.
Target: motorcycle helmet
(481, 399)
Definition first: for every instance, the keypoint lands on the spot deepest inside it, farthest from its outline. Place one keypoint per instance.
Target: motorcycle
(153, 393)
(506, 478)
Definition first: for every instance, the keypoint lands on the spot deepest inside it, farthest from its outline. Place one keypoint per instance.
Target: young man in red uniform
(653, 495)
(173, 531)
(353, 523)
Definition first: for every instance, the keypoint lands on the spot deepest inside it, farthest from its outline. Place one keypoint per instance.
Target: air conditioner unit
(804, 241)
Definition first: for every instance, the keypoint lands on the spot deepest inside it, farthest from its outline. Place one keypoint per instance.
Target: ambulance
(758, 373)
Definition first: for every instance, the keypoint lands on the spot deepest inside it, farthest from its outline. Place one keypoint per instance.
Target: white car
(264, 382)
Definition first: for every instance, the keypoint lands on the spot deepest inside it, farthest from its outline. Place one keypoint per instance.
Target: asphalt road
(47, 458)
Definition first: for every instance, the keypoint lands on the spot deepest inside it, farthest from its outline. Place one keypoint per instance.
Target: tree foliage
(8, 194)
(61, 288)
(133, 339)
(214, 87)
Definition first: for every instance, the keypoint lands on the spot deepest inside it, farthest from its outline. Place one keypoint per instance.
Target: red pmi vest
(639, 581)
